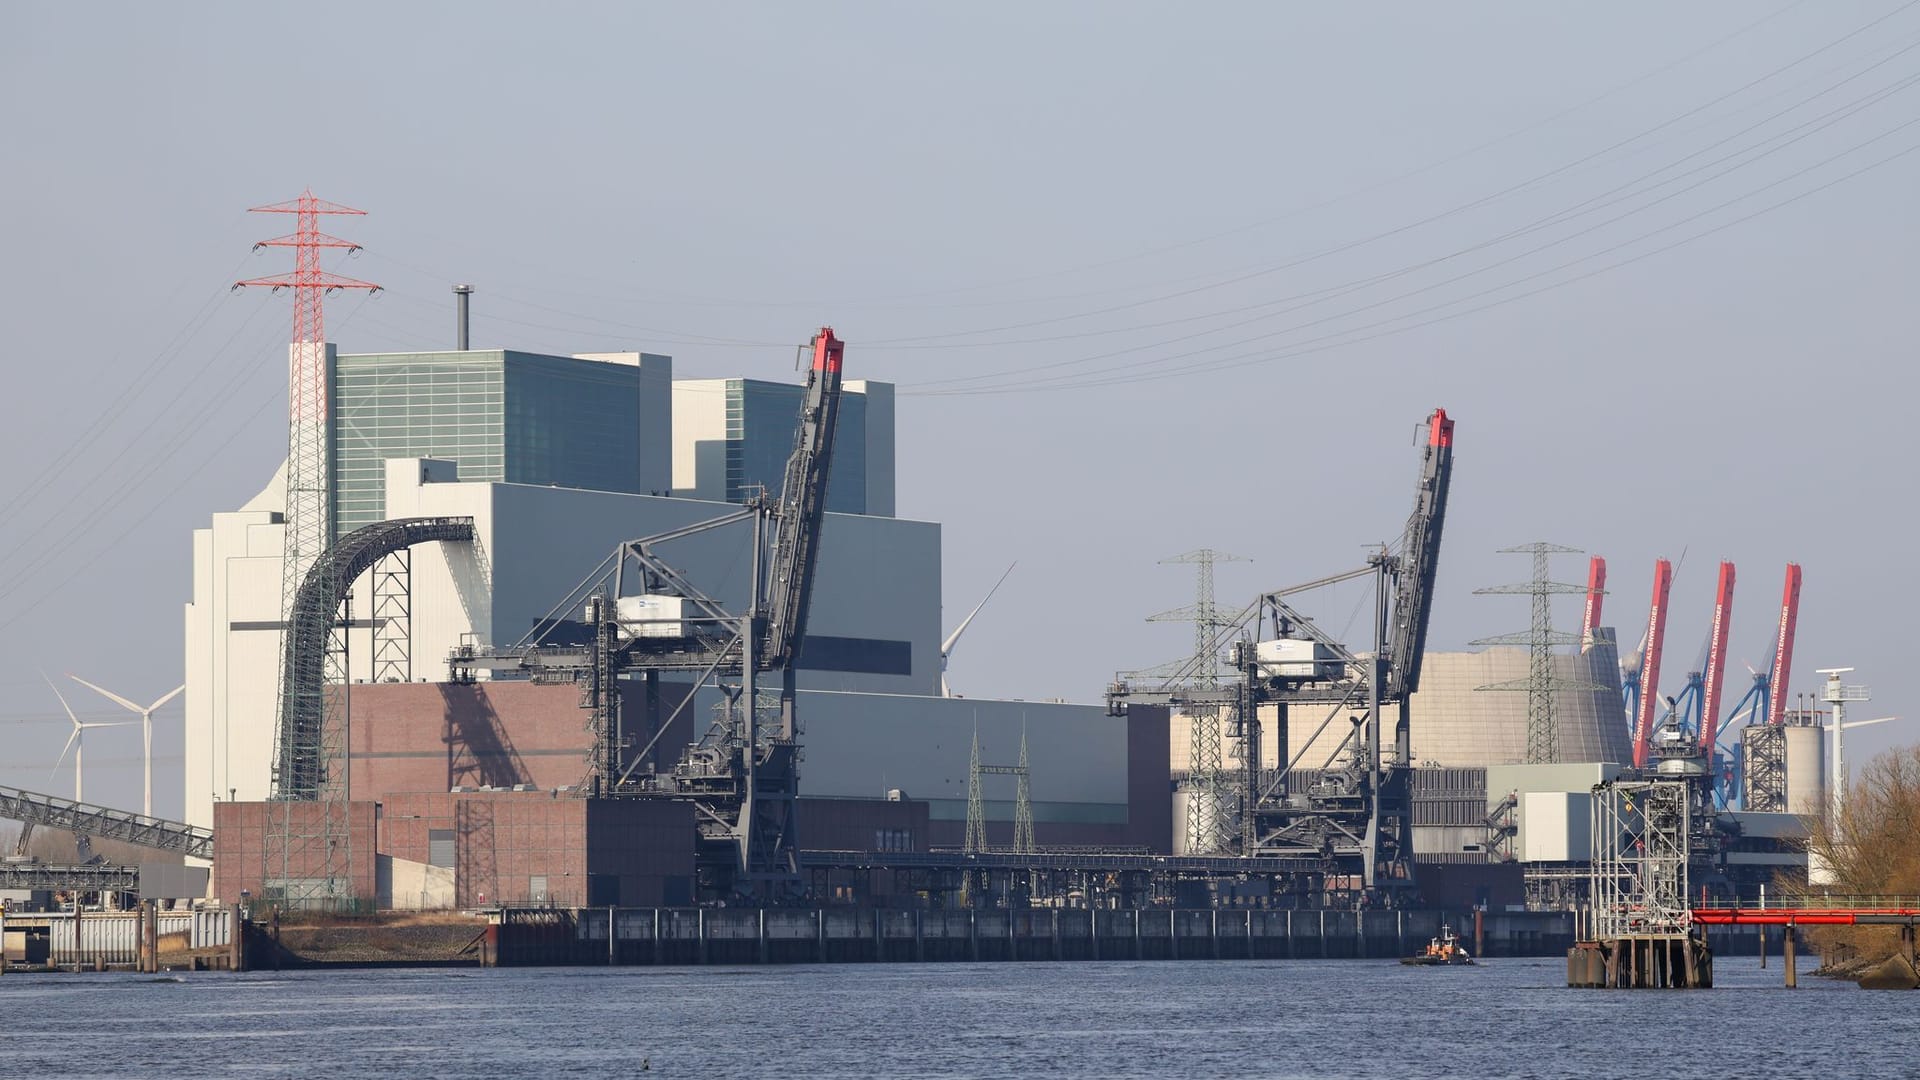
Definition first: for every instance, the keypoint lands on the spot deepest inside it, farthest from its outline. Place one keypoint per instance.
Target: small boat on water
(1443, 951)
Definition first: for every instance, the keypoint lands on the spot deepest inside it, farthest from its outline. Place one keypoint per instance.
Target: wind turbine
(74, 742)
(146, 725)
(946, 647)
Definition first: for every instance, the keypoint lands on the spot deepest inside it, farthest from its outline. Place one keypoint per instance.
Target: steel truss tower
(393, 618)
(1210, 792)
(976, 839)
(1642, 833)
(1763, 749)
(314, 848)
(1541, 684)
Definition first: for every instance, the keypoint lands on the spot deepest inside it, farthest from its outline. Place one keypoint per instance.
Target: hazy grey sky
(1213, 263)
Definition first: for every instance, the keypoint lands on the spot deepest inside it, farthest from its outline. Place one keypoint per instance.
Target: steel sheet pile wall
(109, 937)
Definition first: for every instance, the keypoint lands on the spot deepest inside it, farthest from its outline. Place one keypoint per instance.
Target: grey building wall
(878, 586)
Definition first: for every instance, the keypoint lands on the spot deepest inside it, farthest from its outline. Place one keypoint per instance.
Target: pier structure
(1901, 971)
(1646, 831)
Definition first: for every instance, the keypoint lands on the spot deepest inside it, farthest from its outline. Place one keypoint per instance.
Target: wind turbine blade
(54, 773)
(62, 697)
(106, 693)
(170, 695)
(1851, 724)
(947, 645)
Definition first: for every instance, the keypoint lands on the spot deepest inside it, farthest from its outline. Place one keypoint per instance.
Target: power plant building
(525, 445)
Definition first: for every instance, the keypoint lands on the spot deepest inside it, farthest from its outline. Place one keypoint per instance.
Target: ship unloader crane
(644, 617)
(1357, 818)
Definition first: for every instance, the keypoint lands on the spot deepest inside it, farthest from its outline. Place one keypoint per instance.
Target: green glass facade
(763, 419)
(507, 416)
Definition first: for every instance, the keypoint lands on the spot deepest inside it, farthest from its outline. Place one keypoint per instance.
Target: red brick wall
(503, 840)
(424, 737)
(249, 851)
(430, 737)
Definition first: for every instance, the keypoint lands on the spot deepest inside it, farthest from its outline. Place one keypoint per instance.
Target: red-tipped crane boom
(1716, 673)
(1783, 648)
(1596, 591)
(1650, 666)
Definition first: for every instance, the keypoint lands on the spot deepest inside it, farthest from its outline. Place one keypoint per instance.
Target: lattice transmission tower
(976, 840)
(314, 845)
(1210, 793)
(1541, 685)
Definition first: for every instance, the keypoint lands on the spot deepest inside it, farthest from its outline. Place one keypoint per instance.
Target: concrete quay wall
(545, 936)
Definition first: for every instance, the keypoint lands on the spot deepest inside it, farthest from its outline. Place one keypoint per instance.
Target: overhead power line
(1342, 339)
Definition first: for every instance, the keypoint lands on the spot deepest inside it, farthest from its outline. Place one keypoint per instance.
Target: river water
(1505, 1018)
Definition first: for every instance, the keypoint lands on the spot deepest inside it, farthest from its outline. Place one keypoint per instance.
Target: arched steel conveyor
(300, 765)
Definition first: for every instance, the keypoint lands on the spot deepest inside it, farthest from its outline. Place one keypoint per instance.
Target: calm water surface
(1506, 1018)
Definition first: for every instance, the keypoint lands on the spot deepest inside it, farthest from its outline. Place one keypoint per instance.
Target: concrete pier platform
(1642, 962)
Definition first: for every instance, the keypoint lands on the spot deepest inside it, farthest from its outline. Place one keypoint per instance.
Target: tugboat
(1443, 951)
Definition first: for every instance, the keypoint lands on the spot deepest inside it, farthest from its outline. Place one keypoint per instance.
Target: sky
(1150, 278)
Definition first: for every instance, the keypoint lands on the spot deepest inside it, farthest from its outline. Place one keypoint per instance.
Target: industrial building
(553, 636)
(554, 461)
(402, 436)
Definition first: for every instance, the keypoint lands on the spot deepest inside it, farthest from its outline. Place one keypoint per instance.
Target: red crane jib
(1650, 666)
(1596, 591)
(1716, 674)
(1783, 648)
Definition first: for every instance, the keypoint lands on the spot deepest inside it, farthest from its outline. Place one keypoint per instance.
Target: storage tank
(1785, 766)
(1806, 768)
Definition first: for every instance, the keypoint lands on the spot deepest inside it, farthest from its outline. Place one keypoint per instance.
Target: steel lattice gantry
(1356, 822)
(51, 877)
(307, 859)
(300, 768)
(105, 823)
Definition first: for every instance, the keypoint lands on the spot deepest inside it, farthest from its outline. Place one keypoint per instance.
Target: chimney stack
(461, 293)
